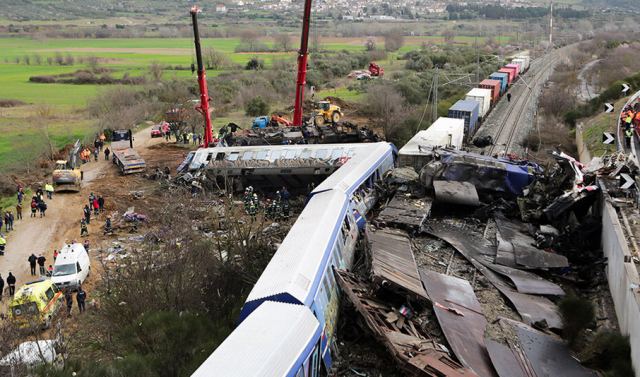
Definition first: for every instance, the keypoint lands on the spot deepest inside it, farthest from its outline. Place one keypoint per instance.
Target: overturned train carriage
(271, 167)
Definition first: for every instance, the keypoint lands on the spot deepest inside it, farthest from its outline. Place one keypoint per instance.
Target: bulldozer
(325, 112)
(67, 175)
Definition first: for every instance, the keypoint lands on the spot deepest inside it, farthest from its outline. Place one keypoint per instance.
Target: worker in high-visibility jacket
(3, 244)
(628, 134)
(628, 119)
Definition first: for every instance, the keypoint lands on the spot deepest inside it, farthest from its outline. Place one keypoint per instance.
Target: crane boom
(203, 107)
(303, 54)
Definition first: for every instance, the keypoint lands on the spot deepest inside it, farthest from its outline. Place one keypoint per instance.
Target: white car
(71, 267)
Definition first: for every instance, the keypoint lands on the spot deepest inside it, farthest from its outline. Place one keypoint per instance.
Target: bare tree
(283, 42)
(393, 40)
(155, 69)
(69, 59)
(448, 35)
(249, 38)
(59, 59)
(215, 59)
(370, 44)
(386, 106)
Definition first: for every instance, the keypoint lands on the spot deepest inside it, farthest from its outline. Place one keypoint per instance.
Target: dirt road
(62, 221)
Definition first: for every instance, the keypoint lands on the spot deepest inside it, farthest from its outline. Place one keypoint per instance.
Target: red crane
(303, 54)
(203, 107)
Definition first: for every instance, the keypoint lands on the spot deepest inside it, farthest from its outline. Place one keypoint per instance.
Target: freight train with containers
(478, 102)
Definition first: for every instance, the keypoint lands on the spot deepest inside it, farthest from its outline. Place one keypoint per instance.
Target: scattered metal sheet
(524, 281)
(393, 261)
(413, 349)
(405, 211)
(505, 254)
(548, 356)
(526, 255)
(463, 193)
(531, 308)
(460, 316)
(527, 282)
(503, 359)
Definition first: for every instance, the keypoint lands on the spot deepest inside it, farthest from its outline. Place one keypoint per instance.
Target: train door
(349, 232)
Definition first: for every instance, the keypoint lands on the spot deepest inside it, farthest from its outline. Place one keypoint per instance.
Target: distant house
(221, 8)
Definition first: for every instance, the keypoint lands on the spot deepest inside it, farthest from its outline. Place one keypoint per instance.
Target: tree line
(497, 12)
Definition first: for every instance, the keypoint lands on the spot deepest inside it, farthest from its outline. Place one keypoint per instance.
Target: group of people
(40, 260)
(194, 138)
(38, 205)
(81, 297)
(95, 207)
(630, 119)
(11, 283)
(275, 208)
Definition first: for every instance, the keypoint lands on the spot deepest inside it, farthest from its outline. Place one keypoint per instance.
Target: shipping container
(517, 63)
(510, 71)
(527, 61)
(444, 132)
(467, 110)
(494, 86)
(503, 78)
(522, 63)
(483, 97)
(514, 66)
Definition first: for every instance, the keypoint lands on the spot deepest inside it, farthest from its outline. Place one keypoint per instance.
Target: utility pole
(551, 26)
(435, 96)
(477, 61)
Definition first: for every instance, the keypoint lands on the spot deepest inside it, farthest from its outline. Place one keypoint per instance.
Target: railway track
(504, 137)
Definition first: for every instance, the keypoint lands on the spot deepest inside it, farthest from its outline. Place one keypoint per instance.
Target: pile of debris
(498, 315)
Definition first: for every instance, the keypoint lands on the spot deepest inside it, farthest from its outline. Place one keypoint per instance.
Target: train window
(327, 289)
(305, 153)
(261, 155)
(219, 156)
(346, 223)
(336, 154)
(247, 155)
(233, 156)
(290, 154)
(322, 153)
(300, 372)
(315, 361)
(275, 155)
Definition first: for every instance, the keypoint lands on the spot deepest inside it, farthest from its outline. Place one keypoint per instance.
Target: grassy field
(27, 131)
(22, 128)
(134, 56)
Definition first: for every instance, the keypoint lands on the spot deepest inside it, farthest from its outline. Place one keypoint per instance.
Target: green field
(22, 128)
(134, 56)
(26, 132)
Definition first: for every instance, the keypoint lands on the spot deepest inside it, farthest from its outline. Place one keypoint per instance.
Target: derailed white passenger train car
(301, 271)
(284, 339)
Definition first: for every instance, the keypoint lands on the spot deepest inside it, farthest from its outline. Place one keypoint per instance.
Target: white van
(71, 267)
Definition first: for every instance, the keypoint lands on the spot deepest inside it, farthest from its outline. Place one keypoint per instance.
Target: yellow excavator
(325, 112)
(67, 175)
